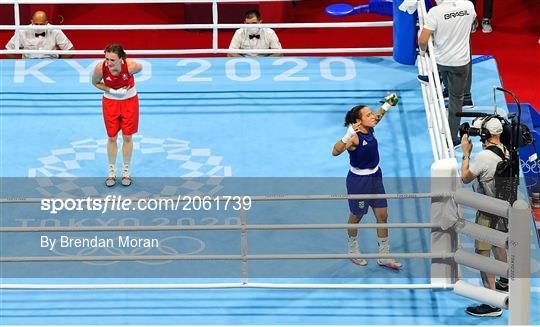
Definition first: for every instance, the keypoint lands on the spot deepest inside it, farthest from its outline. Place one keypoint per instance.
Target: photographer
(483, 169)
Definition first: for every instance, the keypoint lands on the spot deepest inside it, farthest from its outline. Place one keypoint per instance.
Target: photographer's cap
(494, 125)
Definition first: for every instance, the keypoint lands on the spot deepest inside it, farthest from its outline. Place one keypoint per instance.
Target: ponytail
(352, 115)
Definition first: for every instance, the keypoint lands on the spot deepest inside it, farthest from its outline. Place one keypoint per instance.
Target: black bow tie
(254, 36)
(40, 34)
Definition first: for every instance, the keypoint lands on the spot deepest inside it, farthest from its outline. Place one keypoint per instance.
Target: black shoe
(424, 79)
(486, 25)
(468, 104)
(445, 93)
(484, 310)
(501, 286)
(110, 181)
(126, 180)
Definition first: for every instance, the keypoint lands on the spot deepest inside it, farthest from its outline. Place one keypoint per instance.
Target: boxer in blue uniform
(365, 175)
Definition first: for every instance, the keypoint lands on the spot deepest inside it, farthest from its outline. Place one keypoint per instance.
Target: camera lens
(464, 129)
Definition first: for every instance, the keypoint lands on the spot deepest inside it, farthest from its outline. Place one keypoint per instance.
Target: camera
(525, 136)
(466, 129)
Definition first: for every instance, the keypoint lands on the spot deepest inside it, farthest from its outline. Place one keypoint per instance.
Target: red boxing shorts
(121, 115)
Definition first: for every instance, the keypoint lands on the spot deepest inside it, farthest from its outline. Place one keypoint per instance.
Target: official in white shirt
(254, 37)
(450, 24)
(40, 39)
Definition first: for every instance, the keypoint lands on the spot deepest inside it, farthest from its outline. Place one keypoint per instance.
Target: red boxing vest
(124, 79)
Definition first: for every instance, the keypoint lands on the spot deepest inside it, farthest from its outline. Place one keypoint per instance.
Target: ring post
(244, 245)
(404, 35)
(443, 179)
(519, 257)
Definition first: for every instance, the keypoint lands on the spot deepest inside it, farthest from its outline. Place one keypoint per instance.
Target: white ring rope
(283, 256)
(203, 51)
(196, 26)
(431, 117)
(433, 98)
(211, 227)
(317, 197)
(226, 285)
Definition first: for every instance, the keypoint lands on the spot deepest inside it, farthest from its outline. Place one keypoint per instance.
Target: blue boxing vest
(366, 154)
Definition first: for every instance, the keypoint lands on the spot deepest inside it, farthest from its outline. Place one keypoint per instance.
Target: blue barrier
(404, 35)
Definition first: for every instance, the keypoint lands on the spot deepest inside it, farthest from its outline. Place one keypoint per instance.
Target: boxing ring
(244, 127)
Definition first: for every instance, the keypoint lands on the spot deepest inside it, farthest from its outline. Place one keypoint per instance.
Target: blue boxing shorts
(365, 184)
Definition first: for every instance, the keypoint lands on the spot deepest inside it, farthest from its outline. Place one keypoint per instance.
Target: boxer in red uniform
(114, 76)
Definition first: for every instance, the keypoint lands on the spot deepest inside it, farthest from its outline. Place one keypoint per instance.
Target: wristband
(348, 135)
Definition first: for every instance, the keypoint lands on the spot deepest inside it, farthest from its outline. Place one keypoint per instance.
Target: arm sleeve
(273, 40)
(471, 8)
(478, 166)
(236, 41)
(62, 41)
(430, 22)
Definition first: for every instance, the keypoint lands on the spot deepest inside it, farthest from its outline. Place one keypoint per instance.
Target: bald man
(40, 39)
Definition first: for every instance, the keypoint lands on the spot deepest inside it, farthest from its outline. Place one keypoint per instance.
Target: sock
(112, 170)
(384, 247)
(353, 244)
(125, 169)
